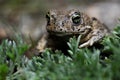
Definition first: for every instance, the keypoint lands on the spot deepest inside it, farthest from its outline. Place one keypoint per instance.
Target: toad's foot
(96, 36)
(42, 44)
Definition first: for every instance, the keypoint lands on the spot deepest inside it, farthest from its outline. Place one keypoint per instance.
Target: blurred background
(28, 16)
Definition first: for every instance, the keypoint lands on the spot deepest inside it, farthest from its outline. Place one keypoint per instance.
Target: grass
(84, 64)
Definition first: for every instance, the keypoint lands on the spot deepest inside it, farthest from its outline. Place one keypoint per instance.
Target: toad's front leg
(96, 36)
(42, 44)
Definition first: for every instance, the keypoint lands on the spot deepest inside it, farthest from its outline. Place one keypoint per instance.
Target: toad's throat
(81, 31)
(68, 33)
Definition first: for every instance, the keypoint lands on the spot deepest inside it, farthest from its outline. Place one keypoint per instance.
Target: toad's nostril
(60, 23)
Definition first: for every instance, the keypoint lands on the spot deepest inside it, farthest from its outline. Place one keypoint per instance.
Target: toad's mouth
(61, 33)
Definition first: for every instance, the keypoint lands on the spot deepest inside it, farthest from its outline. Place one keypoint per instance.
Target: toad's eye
(76, 19)
(48, 18)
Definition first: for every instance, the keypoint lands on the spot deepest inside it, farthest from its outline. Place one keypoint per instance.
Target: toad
(63, 24)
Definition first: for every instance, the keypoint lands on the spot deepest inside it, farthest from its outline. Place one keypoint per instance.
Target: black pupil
(76, 19)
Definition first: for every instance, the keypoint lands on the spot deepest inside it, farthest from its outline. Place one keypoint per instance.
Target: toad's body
(63, 24)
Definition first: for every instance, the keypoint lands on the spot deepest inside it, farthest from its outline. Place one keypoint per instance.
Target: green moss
(82, 64)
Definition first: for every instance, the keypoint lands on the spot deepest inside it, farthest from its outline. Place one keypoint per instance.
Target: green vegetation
(82, 64)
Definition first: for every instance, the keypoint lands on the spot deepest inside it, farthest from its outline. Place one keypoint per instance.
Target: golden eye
(48, 18)
(76, 18)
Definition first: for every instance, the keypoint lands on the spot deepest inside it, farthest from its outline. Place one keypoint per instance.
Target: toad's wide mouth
(64, 33)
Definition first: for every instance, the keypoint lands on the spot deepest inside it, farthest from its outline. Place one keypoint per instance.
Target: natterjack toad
(63, 24)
